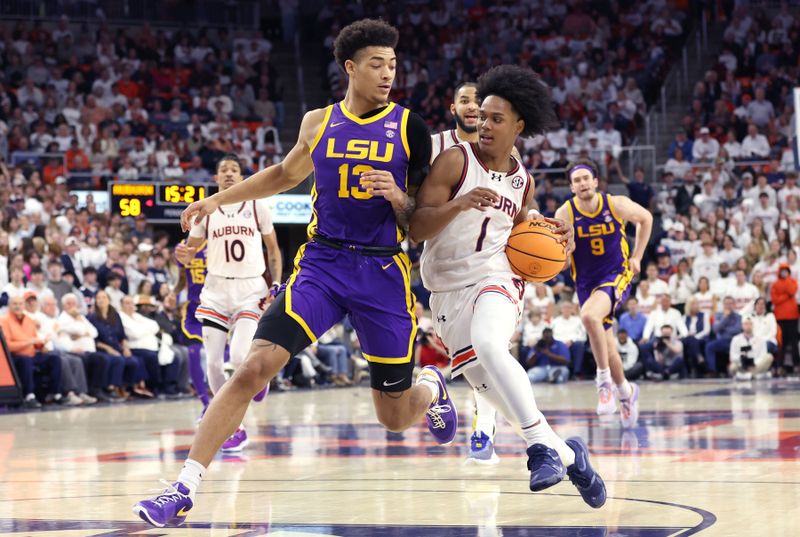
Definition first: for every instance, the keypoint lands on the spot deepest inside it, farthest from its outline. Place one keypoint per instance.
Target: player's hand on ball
(566, 231)
(184, 253)
(635, 265)
(382, 183)
(194, 213)
(478, 198)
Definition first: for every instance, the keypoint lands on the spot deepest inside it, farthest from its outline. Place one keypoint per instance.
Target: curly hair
(528, 95)
(362, 34)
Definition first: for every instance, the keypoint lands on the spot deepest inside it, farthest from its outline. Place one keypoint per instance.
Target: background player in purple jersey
(192, 276)
(365, 151)
(603, 268)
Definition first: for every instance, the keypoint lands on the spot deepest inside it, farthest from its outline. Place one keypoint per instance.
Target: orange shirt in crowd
(783, 293)
(19, 334)
(77, 160)
(51, 171)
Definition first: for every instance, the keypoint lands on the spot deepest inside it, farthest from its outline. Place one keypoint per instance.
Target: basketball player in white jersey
(466, 110)
(235, 291)
(466, 208)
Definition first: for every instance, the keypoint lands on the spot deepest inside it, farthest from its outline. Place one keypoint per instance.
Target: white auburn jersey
(235, 248)
(472, 246)
(441, 141)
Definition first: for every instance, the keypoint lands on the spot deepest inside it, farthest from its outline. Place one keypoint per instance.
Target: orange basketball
(535, 252)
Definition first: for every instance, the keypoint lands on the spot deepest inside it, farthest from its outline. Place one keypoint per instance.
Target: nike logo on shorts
(386, 266)
(388, 384)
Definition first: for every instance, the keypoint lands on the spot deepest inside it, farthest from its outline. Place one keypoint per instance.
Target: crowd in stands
(603, 61)
(134, 103)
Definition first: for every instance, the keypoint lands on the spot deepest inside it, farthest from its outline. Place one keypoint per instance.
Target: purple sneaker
(441, 416)
(236, 442)
(168, 508)
(262, 394)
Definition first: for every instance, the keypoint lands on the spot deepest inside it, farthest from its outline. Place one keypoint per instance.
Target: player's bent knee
(590, 318)
(392, 421)
(261, 366)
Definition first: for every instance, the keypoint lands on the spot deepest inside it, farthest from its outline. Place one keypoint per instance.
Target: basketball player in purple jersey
(602, 269)
(469, 203)
(193, 276)
(364, 152)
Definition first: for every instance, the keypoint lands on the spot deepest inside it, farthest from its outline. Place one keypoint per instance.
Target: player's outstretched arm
(270, 181)
(435, 209)
(630, 211)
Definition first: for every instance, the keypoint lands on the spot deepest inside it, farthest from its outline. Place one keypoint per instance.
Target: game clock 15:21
(159, 202)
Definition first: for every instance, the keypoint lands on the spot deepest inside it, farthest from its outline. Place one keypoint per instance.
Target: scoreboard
(161, 203)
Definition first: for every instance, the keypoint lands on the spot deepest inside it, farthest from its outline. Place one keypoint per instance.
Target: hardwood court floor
(708, 458)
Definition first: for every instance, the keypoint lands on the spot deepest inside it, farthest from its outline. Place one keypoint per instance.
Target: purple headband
(584, 166)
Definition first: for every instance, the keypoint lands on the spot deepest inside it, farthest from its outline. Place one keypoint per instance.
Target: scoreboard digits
(159, 202)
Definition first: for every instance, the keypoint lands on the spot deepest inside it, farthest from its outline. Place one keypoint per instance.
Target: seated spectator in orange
(76, 159)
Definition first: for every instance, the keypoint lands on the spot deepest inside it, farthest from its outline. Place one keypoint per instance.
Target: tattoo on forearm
(404, 213)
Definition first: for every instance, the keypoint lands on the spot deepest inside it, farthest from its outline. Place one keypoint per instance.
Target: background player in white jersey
(235, 291)
(466, 209)
(466, 111)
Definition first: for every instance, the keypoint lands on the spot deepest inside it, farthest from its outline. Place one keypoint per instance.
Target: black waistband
(370, 251)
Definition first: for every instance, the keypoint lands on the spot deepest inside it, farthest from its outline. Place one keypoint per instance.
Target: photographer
(749, 356)
(667, 357)
(549, 360)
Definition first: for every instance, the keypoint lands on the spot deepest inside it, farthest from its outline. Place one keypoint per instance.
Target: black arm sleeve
(419, 145)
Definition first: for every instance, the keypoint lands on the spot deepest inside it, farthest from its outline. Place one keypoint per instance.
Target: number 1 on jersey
(482, 236)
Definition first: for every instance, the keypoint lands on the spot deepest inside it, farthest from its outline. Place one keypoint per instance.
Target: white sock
(214, 341)
(242, 334)
(603, 376)
(429, 379)
(625, 390)
(484, 416)
(191, 475)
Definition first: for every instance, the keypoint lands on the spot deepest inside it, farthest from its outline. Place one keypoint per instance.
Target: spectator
(681, 142)
(667, 356)
(676, 164)
(73, 374)
(114, 290)
(76, 336)
(629, 353)
(569, 330)
(682, 286)
(783, 295)
(549, 360)
(743, 293)
(726, 325)
(56, 284)
(638, 190)
(111, 340)
(707, 262)
(665, 314)
(196, 173)
(765, 325)
(26, 348)
(698, 329)
(760, 111)
(145, 340)
(765, 212)
(633, 322)
(705, 148)
(333, 352)
(657, 286)
(755, 146)
(749, 354)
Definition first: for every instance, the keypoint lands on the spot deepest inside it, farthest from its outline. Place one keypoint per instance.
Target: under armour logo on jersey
(497, 176)
(442, 318)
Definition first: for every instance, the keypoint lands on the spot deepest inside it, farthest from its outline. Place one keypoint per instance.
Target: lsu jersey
(345, 147)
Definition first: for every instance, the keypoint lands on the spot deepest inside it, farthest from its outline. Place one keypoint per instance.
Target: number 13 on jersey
(345, 190)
